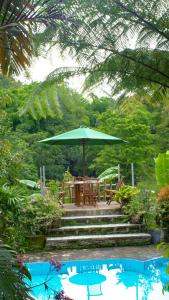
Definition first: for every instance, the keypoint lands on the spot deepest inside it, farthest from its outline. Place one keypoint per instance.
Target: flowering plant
(54, 265)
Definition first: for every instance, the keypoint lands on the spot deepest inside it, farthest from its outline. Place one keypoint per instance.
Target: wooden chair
(110, 193)
(61, 194)
(90, 192)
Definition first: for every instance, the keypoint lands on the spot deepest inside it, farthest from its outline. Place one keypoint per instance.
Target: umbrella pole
(84, 169)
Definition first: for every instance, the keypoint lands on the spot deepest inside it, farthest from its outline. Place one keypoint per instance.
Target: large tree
(124, 41)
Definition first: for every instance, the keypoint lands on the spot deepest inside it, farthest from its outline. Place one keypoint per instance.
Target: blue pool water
(113, 279)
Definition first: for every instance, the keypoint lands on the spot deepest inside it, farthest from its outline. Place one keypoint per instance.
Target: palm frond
(103, 32)
(12, 286)
(124, 70)
(17, 25)
(49, 97)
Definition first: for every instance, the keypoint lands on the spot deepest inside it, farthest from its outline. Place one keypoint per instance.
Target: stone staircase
(95, 227)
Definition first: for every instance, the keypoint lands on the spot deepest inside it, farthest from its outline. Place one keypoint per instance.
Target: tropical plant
(29, 183)
(51, 99)
(165, 248)
(162, 169)
(39, 213)
(125, 42)
(15, 279)
(162, 175)
(12, 276)
(19, 21)
(109, 174)
(148, 199)
(29, 214)
(124, 194)
(163, 208)
(134, 210)
(142, 208)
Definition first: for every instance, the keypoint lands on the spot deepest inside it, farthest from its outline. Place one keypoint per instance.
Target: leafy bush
(134, 210)
(23, 215)
(40, 212)
(16, 281)
(163, 207)
(124, 194)
(12, 276)
(53, 186)
(142, 208)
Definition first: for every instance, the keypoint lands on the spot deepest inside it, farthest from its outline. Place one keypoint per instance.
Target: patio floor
(141, 253)
(100, 205)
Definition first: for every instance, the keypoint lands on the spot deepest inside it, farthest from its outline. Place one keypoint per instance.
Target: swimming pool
(112, 279)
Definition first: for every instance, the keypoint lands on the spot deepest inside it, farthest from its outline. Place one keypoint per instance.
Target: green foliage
(20, 20)
(135, 127)
(51, 99)
(108, 174)
(142, 124)
(135, 210)
(39, 213)
(148, 199)
(165, 248)
(26, 213)
(124, 194)
(53, 186)
(67, 176)
(163, 215)
(142, 208)
(128, 48)
(12, 276)
(162, 169)
(29, 183)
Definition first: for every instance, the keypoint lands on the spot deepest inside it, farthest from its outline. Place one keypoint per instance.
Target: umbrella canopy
(83, 136)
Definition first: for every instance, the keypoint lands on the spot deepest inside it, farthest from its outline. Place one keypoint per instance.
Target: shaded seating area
(88, 191)
(83, 190)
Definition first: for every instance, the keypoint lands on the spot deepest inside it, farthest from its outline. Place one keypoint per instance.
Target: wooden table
(78, 188)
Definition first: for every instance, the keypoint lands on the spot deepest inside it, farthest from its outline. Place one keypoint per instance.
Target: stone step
(94, 241)
(95, 229)
(92, 219)
(92, 211)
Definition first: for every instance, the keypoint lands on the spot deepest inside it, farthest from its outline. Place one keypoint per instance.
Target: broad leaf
(162, 168)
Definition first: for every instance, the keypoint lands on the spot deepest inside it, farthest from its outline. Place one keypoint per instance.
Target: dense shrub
(23, 214)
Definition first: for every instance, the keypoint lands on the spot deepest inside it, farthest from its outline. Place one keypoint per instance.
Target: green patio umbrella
(83, 136)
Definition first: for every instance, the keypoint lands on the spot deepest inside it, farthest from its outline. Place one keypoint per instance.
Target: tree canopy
(125, 42)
